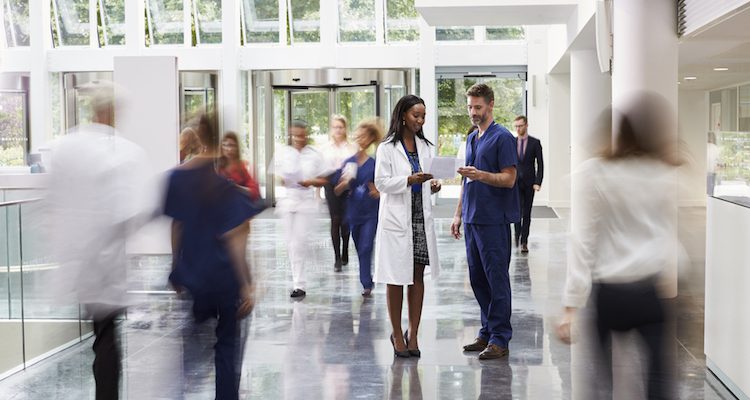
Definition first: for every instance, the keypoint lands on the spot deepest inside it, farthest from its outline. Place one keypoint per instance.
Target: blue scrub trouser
(364, 239)
(488, 255)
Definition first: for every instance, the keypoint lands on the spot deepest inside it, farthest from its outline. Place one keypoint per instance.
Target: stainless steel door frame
(72, 83)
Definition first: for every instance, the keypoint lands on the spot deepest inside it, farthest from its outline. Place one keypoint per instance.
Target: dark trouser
(526, 195)
(227, 356)
(339, 225)
(624, 307)
(488, 255)
(364, 239)
(106, 358)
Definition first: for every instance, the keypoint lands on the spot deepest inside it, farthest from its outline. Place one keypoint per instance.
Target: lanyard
(415, 188)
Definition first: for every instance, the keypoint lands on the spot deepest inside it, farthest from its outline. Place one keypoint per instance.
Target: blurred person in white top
(335, 152)
(624, 239)
(94, 202)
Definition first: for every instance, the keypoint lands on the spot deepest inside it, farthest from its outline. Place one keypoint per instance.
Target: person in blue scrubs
(363, 199)
(209, 238)
(488, 204)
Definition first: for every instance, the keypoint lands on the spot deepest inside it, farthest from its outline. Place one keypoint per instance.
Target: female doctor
(405, 238)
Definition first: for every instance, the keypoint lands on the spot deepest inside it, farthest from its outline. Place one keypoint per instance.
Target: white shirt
(95, 200)
(293, 166)
(335, 154)
(624, 228)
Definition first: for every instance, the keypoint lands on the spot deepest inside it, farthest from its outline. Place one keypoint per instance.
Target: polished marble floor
(334, 343)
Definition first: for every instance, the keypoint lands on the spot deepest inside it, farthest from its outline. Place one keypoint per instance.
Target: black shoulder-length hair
(397, 119)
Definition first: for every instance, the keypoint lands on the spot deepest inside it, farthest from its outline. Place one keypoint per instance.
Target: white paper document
(444, 167)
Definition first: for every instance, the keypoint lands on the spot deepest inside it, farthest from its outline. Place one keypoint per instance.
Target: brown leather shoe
(493, 351)
(478, 345)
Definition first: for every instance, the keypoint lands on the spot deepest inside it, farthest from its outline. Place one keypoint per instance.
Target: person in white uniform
(301, 168)
(405, 238)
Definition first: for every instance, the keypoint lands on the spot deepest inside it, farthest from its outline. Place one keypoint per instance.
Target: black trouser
(624, 307)
(339, 226)
(106, 358)
(521, 229)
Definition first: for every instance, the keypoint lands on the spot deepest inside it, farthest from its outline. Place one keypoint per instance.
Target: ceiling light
(721, 69)
(689, 78)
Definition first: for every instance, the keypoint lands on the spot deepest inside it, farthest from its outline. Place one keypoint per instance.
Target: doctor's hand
(419, 177)
(471, 173)
(564, 328)
(456, 227)
(435, 186)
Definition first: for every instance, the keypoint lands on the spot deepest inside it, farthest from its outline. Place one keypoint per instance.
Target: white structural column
(427, 83)
(230, 108)
(39, 98)
(645, 59)
(590, 97)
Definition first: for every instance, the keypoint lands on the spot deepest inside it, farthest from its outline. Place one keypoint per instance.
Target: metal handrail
(14, 202)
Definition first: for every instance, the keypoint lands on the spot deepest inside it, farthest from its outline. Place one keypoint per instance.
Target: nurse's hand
(435, 186)
(564, 328)
(471, 173)
(247, 301)
(456, 227)
(419, 177)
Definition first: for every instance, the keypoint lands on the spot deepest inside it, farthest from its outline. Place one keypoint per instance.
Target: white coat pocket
(395, 218)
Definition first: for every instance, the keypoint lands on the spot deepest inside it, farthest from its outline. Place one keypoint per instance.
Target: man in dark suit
(530, 173)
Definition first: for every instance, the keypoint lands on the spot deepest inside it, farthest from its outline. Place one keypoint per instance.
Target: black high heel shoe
(396, 353)
(414, 353)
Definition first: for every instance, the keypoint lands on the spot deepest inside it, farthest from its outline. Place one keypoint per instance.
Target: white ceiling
(726, 44)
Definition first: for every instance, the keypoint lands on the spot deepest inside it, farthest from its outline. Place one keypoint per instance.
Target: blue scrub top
(208, 206)
(360, 206)
(481, 203)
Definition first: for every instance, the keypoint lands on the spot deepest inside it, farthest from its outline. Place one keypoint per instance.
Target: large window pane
(113, 22)
(305, 17)
(356, 104)
(13, 132)
(72, 22)
(208, 17)
(312, 107)
(165, 21)
(261, 21)
(505, 33)
(356, 20)
(745, 108)
(401, 21)
(16, 22)
(454, 33)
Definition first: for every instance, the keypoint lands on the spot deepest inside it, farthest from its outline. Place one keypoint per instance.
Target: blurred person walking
(488, 204)
(623, 237)
(405, 237)
(190, 146)
(95, 202)
(530, 171)
(338, 150)
(209, 241)
(357, 185)
(300, 168)
(234, 168)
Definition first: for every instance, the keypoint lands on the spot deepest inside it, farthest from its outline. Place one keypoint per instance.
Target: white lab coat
(394, 246)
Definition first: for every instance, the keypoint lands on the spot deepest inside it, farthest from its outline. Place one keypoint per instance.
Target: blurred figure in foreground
(624, 238)
(713, 162)
(94, 202)
(209, 241)
(234, 168)
(357, 184)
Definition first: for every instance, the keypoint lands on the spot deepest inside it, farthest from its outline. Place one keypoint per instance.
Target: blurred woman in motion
(209, 239)
(624, 239)
(335, 153)
(190, 146)
(234, 168)
(357, 184)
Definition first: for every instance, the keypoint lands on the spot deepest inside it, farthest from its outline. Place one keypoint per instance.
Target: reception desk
(727, 307)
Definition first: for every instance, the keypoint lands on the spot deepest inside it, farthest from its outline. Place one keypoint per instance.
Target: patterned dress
(421, 255)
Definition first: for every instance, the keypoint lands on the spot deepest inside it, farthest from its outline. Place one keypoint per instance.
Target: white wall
(558, 152)
(727, 318)
(692, 114)
(538, 104)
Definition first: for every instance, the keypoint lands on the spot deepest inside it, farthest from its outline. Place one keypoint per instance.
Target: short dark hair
(523, 117)
(483, 91)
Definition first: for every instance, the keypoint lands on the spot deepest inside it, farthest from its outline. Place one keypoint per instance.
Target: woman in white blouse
(624, 238)
(405, 238)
